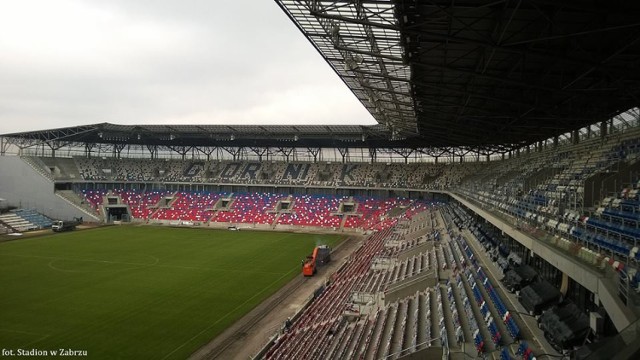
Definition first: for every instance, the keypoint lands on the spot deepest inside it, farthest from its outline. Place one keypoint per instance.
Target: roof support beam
(324, 15)
(369, 53)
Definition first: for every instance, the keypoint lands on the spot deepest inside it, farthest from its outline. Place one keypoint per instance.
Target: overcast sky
(75, 62)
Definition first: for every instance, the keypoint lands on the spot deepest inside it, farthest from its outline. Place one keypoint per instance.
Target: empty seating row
(24, 220)
(34, 217)
(481, 278)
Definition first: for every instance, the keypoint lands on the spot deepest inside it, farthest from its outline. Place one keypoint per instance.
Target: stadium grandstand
(497, 198)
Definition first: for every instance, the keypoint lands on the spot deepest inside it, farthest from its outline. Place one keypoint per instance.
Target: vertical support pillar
(373, 154)
(314, 152)
(344, 152)
(611, 129)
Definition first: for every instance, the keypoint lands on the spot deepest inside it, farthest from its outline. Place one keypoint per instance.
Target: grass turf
(140, 292)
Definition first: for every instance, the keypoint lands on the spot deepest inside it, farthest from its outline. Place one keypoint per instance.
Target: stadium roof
(180, 137)
(475, 75)
(480, 73)
(212, 135)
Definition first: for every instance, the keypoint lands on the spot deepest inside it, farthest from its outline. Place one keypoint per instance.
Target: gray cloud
(162, 62)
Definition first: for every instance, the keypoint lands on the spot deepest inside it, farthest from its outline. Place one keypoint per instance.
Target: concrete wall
(22, 186)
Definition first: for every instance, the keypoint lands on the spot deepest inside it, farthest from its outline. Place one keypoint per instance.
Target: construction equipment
(66, 225)
(321, 255)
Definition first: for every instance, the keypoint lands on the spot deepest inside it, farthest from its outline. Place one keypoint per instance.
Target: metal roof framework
(205, 135)
(485, 74)
(361, 42)
(113, 138)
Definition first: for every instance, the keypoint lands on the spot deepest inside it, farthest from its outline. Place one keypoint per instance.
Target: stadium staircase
(38, 165)
(344, 221)
(76, 201)
(274, 223)
(292, 203)
(217, 209)
(159, 207)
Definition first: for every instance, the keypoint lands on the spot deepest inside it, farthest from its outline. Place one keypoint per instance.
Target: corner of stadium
(493, 211)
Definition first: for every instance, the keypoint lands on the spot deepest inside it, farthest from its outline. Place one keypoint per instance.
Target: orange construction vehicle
(320, 256)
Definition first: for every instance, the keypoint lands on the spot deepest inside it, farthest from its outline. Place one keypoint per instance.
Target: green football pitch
(139, 292)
